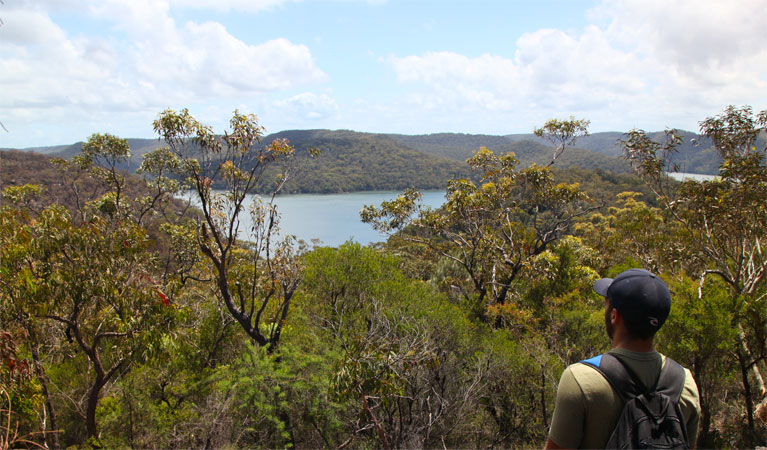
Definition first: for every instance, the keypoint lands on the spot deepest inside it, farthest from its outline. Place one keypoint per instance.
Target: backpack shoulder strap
(623, 381)
(671, 380)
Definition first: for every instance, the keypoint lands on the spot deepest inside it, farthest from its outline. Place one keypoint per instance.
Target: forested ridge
(355, 161)
(130, 319)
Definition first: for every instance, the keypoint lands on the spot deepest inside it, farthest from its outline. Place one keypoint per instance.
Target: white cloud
(654, 64)
(146, 63)
(690, 34)
(251, 6)
(29, 27)
(550, 70)
(227, 5)
(307, 106)
(204, 59)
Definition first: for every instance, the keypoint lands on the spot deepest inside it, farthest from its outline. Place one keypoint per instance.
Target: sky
(71, 68)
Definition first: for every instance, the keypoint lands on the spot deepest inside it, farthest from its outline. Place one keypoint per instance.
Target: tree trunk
(751, 360)
(705, 411)
(376, 424)
(52, 437)
(746, 390)
(543, 397)
(93, 401)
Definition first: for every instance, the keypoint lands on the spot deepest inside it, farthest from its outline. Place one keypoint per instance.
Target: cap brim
(601, 286)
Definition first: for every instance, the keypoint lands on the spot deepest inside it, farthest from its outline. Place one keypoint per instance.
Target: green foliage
(413, 365)
(23, 195)
(700, 334)
(723, 224)
(562, 133)
(256, 282)
(20, 396)
(492, 229)
(391, 333)
(633, 230)
(93, 279)
(121, 312)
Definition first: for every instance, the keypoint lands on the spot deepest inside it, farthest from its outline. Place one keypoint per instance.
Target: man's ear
(615, 316)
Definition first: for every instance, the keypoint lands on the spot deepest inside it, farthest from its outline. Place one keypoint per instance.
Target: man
(587, 408)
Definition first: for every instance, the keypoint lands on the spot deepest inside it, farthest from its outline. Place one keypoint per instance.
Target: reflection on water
(681, 176)
(333, 218)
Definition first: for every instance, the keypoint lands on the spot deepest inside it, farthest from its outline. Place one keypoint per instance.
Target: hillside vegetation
(528, 149)
(128, 322)
(18, 168)
(351, 161)
(354, 161)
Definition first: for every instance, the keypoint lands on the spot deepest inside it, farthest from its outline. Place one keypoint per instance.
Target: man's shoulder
(591, 379)
(592, 383)
(595, 387)
(690, 389)
(588, 407)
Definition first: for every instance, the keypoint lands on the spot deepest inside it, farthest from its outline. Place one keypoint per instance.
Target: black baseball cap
(641, 297)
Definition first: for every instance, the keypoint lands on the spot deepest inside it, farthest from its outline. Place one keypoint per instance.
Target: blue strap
(595, 361)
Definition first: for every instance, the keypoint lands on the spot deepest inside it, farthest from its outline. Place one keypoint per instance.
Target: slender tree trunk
(130, 420)
(376, 424)
(52, 437)
(93, 401)
(746, 390)
(751, 360)
(705, 426)
(705, 411)
(543, 397)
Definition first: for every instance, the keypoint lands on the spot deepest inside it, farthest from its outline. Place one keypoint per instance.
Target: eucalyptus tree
(562, 133)
(94, 280)
(491, 229)
(725, 222)
(255, 273)
(82, 282)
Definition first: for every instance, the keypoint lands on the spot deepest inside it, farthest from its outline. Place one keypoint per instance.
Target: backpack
(650, 418)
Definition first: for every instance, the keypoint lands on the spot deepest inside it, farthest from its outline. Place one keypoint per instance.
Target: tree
(635, 231)
(725, 219)
(88, 272)
(699, 334)
(562, 133)
(409, 368)
(256, 280)
(493, 229)
(94, 279)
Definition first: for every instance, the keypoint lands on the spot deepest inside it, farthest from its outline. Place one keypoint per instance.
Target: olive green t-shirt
(587, 409)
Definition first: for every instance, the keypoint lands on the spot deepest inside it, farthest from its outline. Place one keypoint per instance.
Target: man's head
(642, 299)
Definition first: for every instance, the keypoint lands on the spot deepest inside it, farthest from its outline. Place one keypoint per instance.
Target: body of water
(334, 218)
(681, 176)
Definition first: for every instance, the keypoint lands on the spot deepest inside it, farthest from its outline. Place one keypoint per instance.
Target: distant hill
(695, 155)
(355, 161)
(49, 150)
(138, 148)
(527, 147)
(25, 167)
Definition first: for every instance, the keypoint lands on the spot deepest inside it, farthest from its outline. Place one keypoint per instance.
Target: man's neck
(635, 345)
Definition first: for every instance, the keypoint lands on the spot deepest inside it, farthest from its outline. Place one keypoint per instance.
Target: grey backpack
(651, 418)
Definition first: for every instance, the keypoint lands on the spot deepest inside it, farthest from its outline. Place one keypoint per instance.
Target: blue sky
(70, 68)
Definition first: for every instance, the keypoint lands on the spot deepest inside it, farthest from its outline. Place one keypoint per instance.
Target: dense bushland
(129, 320)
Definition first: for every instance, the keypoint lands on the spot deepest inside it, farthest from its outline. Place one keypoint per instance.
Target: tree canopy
(130, 319)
